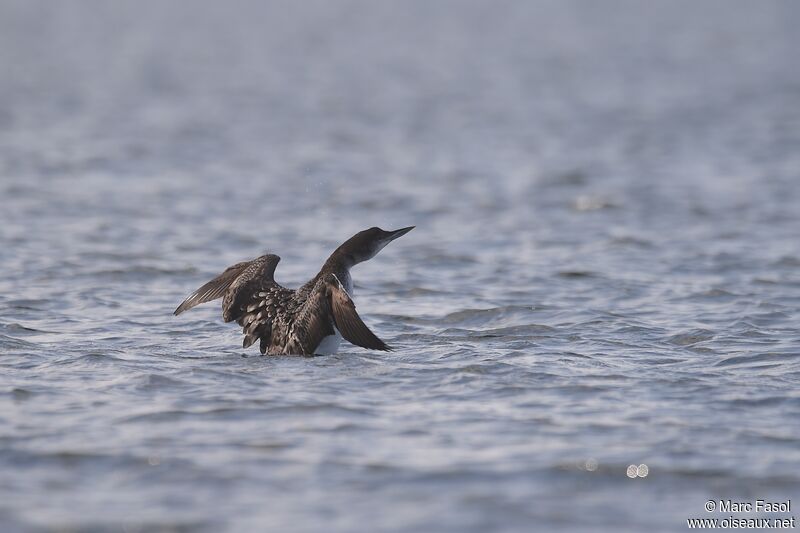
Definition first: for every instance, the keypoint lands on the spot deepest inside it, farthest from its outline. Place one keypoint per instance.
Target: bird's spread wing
(213, 289)
(258, 311)
(256, 277)
(329, 306)
(254, 299)
(347, 320)
(251, 297)
(249, 291)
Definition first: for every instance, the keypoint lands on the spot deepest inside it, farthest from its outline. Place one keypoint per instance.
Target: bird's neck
(338, 265)
(339, 261)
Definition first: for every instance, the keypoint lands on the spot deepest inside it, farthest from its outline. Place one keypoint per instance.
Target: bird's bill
(399, 232)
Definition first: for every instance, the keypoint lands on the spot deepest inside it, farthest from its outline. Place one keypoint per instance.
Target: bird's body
(309, 320)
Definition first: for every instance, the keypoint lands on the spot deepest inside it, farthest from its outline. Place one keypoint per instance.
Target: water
(604, 270)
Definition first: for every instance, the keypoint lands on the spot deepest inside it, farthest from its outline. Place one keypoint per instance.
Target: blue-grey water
(605, 270)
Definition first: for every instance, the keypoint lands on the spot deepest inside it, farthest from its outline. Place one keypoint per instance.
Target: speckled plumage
(296, 321)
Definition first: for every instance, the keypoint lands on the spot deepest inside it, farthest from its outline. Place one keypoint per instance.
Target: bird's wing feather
(253, 300)
(261, 312)
(347, 320)
(328, 306)
(250, 296)
(312, 322)
(256, 277)
(213, 289)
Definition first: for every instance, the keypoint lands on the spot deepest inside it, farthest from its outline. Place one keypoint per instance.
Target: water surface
(605, 270)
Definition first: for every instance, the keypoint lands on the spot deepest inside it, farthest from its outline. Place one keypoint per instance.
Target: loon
(306, 321)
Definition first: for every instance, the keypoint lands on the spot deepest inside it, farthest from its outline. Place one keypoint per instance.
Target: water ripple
(604, 271)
